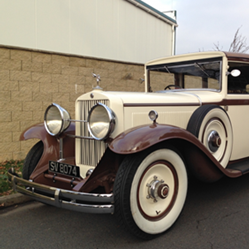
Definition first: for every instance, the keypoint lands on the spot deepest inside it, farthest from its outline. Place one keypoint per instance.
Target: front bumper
(76, 201)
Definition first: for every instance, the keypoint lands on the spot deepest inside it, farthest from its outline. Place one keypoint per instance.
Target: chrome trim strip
(75, 120)
(82, 137)
(61, 149)
(189, 89)
(67, 199)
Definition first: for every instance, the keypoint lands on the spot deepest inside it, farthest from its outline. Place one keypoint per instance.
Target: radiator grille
(90, 151)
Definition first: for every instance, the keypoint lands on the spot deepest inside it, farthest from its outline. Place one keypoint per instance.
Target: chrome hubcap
(157, 189)
(214, 141)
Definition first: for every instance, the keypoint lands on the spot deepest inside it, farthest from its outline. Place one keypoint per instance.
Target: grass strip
(5, 187)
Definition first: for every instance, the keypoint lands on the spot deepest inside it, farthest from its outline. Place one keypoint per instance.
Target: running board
(242, 166)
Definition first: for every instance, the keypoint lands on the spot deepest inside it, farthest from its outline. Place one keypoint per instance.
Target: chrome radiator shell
(88, 151)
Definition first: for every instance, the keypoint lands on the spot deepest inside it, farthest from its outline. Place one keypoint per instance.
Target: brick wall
(30, 81)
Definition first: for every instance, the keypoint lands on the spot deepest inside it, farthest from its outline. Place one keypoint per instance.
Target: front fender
(197, 157)
(50, 145)
(142, 137)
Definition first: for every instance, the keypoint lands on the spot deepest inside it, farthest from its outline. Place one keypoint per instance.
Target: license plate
(64, 168)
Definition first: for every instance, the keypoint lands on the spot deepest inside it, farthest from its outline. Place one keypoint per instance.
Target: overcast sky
(201, 23)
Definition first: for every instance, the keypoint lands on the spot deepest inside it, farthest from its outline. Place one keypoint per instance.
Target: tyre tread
(124, 218)
(127, 171)
(196, 119)
(32, 159)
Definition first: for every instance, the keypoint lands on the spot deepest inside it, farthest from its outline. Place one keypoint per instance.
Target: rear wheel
(211, 125)
(32, 159)
(150, 191)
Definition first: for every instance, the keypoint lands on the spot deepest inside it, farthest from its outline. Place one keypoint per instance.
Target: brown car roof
(237, 56)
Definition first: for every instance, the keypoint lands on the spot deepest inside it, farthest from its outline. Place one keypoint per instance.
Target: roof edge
(153, 11)
(207, 54)
(237, 56)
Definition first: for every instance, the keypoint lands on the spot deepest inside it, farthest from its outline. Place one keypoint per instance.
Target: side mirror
(234, 73)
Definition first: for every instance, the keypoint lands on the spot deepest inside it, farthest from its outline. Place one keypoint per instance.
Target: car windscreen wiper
(167, 69)
(200, 67)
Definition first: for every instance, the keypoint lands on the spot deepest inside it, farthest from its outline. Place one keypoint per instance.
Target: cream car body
(175, 107)
(129, 152)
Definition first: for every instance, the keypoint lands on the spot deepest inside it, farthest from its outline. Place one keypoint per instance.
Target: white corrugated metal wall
(107, 29)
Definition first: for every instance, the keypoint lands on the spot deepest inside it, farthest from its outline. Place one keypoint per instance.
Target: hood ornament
(98, 79)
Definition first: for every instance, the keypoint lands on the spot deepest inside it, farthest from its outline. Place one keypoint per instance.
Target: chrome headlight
(153, 115)
(56, 119)
(101, 121)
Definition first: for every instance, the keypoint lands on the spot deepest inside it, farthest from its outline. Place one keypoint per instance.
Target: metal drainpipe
(173, 51)
(174, 40)
(174, 34)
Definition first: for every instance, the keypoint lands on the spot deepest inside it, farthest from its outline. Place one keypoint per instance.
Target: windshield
(201, 74)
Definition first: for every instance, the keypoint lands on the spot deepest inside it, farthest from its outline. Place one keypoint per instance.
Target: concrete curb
(14, 199)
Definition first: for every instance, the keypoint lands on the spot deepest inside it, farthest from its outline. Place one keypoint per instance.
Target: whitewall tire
(211, 125)
(150, 191)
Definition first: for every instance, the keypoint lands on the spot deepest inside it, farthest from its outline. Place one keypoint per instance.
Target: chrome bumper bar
(76, 201)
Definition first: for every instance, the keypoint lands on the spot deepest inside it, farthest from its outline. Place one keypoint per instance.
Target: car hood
(176, 97)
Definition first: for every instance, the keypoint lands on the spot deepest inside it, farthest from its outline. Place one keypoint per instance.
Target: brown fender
(51, 145)
(196, 156)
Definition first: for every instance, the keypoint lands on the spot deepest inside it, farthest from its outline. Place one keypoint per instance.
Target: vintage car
(130, 153)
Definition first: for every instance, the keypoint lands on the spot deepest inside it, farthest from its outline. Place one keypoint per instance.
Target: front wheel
(150, 191)
(32, 159)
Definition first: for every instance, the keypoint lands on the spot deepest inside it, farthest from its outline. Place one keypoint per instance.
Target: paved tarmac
(216, 216)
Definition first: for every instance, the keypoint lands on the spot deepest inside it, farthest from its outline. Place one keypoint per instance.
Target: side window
(239, 84)
(159, 80)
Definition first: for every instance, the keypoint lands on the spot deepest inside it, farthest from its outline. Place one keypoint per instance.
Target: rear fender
(50, 144)
(196, 156)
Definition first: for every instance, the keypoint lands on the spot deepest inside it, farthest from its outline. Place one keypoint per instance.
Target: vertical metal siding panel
(158, 37)
(150, 42)
(83, 27)
(168, 39)
(52, 25)
(151, 36)
(140, 40)
(108, 29)
(126, 37)
(161, 43)
(17, 23)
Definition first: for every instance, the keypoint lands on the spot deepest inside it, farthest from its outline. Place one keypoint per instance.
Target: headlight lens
(101, 121)
(56, 119)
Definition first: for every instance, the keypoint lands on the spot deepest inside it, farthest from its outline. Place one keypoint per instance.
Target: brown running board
(242, 166)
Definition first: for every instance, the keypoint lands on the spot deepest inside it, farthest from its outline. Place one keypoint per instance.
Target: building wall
(107, 29)
(31, 80)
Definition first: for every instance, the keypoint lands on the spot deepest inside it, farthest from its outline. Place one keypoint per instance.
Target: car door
(238, 108)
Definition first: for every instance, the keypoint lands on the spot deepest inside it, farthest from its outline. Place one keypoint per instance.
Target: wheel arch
(211, 124)
(198, 160)
(50, 145)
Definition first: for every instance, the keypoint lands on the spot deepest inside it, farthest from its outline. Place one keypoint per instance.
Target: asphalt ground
(215, 216)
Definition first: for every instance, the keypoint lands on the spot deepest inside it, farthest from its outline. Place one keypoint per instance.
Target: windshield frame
(182, 64)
